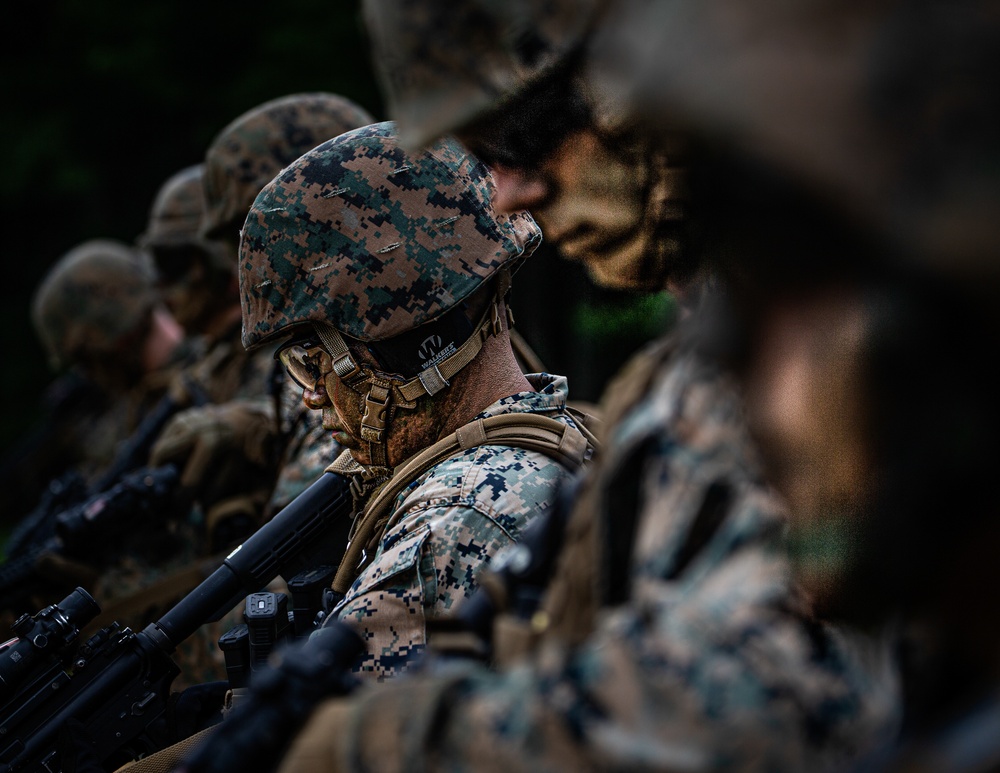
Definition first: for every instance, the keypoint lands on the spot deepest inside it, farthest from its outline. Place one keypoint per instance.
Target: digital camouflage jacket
(448, 524)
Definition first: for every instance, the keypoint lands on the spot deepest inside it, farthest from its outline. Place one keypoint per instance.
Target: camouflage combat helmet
(443, 64)
(96, 296)
(887, 110)
(254, 147)
(361, 242)
(175, 219)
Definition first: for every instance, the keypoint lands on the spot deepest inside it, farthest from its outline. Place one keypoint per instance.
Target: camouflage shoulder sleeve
(446, 527)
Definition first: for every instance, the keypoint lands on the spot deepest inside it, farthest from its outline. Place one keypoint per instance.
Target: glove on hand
(221, 449)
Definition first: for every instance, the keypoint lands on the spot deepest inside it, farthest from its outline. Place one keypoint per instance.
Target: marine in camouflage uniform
(673, 636)
(449, 523)
(877, 145)
(99, 309)
(198, 282)
(385, 274)
(239, 162)
(99, 312)
(233, 449)
(223, 446)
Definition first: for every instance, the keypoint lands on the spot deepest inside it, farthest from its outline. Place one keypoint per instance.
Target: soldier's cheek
(342, 415)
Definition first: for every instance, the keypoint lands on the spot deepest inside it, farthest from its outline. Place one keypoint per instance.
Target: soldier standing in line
(78, 435)
(229, 444)
(866, 365)
(236, 436)
(241, 159)
(385, 275)
(100, 309)
(230, 449)
(195, 275)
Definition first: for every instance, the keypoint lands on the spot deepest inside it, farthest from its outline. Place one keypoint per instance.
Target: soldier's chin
(629, 264)
(346, 440)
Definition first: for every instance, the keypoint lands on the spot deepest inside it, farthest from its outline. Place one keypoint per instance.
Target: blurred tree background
(105, 99)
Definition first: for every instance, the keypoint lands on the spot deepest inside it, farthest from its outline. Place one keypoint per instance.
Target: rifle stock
(117, 683)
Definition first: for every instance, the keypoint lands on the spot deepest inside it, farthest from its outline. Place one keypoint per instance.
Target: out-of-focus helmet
(175, 219)
(257, 145)
(94, 298)
(361, 240)
(444, 64)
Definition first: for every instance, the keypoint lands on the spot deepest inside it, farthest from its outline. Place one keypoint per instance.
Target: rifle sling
(167, 759)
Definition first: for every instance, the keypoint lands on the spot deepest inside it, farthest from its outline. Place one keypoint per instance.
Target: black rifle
(279, 700)
(69, 490)
(38, 532)
(280, 696)
(269, 623)
(117, 683)
(141, 499)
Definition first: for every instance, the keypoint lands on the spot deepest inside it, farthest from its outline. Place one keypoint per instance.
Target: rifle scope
(52, 630)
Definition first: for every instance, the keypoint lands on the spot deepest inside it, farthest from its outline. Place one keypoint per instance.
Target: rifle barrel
(295, 539)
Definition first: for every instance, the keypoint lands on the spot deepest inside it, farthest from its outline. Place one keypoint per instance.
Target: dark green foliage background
(103, 100)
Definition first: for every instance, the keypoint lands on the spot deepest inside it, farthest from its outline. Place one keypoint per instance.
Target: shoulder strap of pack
(534, 432)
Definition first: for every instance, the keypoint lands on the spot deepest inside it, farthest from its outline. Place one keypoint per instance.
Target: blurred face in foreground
(602, 200)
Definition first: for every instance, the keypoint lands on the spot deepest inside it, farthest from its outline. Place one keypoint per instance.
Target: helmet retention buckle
(377, 404)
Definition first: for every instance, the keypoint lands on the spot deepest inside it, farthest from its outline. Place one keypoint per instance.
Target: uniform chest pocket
(395, 564)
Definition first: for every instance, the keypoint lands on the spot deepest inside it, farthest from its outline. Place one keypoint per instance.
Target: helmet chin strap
(383, 396)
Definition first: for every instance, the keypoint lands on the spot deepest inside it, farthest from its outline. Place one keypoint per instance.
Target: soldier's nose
(315, 400)
(517, 189)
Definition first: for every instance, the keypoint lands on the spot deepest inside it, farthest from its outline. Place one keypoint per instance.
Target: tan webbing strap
(343, 363)
(436, 377)
(586, 422)
(530, 431)
(471, 435)
(166, 760)
(344, 464)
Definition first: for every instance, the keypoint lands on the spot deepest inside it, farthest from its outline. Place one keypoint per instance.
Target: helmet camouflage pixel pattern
(442, 64)
(96, 294)
(253, 148)
(370, 239)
